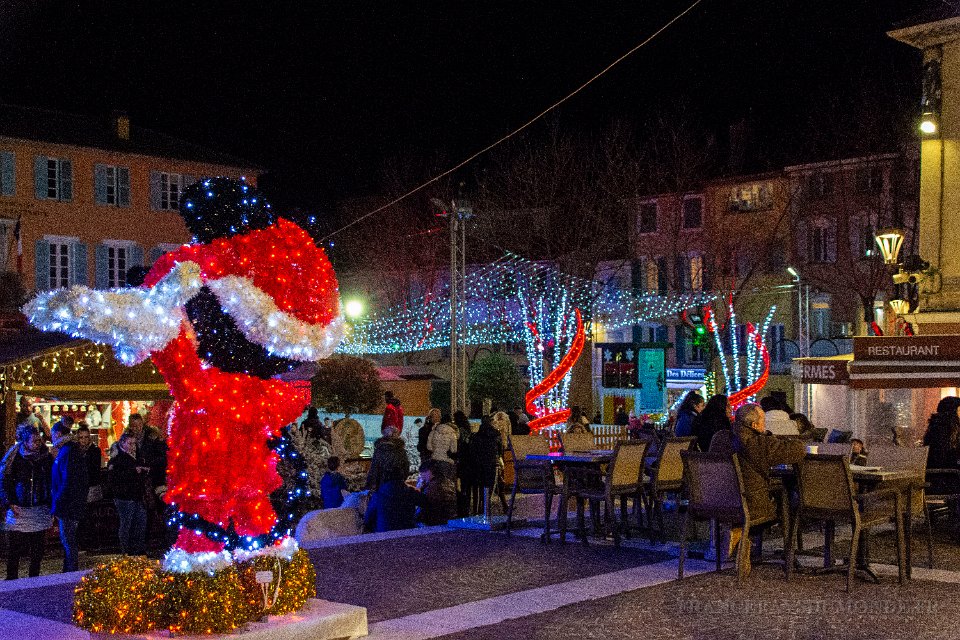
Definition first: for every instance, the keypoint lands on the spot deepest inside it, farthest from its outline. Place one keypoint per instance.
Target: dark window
(648, 217)
(870, 180)
(692, 213)
(822, 184)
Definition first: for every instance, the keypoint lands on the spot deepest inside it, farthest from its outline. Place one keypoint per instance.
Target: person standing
(522, 425)
(423, 433)
(311, 426)
(467, 472)
(486, 448)
(393, 413)
(943, 435)
(127, 479)
(93, 458)
(442, 444)
(26, 488)
(68, 491)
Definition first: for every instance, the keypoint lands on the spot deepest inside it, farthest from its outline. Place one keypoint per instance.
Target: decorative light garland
(545, 417)
(500, 299)
(757, 356)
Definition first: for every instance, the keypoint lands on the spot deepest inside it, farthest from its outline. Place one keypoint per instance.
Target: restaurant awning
(896, 362)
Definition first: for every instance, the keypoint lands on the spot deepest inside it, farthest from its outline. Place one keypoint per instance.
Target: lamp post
(803, 313)
(907, 274)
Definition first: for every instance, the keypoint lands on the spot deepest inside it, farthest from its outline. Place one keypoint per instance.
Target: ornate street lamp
(890, 242)
(900, 307)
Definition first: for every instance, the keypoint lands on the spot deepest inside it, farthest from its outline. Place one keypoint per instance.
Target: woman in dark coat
(943, 435)
(689, 409)
(486, 447)
(467, 472)
(716, 416)
(26, 487)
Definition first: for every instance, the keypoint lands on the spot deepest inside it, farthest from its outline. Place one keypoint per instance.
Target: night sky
(322, 93)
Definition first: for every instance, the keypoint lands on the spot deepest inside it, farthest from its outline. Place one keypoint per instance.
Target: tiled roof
(44, 125)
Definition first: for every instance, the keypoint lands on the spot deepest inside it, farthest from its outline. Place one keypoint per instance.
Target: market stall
(77, 378)
(886, 384)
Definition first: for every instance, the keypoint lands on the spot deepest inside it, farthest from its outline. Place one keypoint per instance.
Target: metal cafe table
(868, 479)
(563, 461)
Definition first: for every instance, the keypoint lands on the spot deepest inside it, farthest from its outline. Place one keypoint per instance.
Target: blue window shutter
(705, 274)
(680, 344)
(79, 271)
(101, 277)
(661, 275)
(41, 257)
(100, 184)
(662, 334)
(66, 180)
(155, 190)
(831, 241)
(123, 187)
(153, 255)
(136, 256)
(8, 186)
(40, 177)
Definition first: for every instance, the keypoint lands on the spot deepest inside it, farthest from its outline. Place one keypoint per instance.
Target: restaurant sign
(911, 348)
(823, 371)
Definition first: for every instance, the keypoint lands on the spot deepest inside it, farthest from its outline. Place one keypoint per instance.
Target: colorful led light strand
(553, 379)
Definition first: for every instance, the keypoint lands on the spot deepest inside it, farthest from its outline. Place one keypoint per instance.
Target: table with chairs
(827, 489)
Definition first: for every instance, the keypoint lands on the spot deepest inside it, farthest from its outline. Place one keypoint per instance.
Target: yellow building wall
(91, 223)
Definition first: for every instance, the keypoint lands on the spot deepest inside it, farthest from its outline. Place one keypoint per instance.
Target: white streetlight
(353, 309)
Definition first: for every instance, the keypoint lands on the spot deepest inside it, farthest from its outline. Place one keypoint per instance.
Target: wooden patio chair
(665, 477)
(577, 442)
(714, 490)
(912, 458)
(623, 479)
(532, 477)
(827, 494)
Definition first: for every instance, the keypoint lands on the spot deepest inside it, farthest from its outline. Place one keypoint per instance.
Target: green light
(700, 330)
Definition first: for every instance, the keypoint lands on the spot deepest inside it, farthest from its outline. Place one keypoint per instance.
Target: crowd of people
(460, 466)
(51, 474)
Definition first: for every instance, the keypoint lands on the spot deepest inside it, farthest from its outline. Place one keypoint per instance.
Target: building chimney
(120, 124)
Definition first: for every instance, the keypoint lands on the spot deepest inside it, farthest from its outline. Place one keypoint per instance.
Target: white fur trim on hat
(261, 321)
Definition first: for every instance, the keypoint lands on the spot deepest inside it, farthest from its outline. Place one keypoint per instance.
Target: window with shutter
(66, 181)
(123, 187)
(53, 178)
(693, 213)
(112, 185)
(647, 219)
(8, 186)
(170, 186)
(60, 266)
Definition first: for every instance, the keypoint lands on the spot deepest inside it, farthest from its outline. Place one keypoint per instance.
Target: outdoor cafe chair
(665, 477)
(827, 494)
(576, 442)
(943, 493)
(623, 479)
(533, 477)
(892, 457)
(714, 490)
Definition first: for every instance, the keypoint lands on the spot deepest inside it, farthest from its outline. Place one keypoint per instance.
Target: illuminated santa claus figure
(252, 297)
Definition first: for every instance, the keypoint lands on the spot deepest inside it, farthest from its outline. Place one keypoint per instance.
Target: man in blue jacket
(69, 491)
